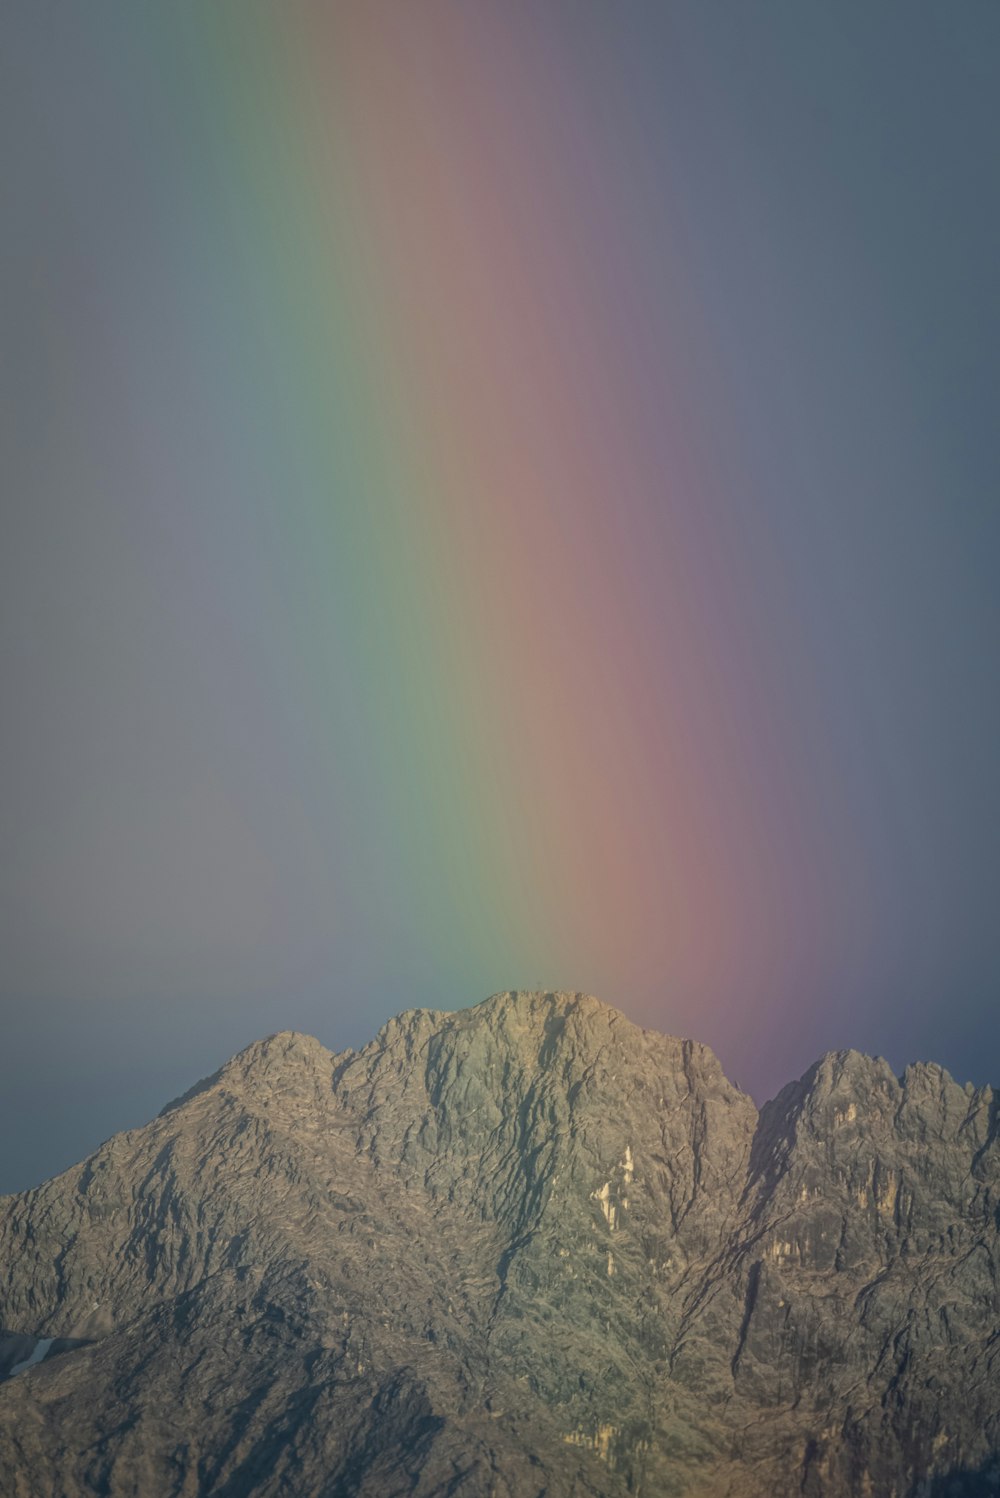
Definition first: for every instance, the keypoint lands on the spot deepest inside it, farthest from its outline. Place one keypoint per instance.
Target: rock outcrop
(527, 1250)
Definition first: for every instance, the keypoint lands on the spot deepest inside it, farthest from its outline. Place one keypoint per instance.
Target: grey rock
(528, 1250)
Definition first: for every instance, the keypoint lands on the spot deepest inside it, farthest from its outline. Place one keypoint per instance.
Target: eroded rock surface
(528, 1250)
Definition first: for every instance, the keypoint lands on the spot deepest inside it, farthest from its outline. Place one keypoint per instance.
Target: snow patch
(40, 1349)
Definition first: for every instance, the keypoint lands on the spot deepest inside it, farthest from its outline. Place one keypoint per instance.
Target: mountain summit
(526, 1250)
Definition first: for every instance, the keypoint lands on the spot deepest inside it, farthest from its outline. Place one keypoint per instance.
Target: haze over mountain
(525, 1249)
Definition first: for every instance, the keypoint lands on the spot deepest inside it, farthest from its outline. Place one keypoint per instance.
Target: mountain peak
(518, 1248)
(287, 1054)
(284, 1050)
(511, 1008)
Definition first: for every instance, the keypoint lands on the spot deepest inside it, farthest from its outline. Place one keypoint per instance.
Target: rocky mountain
(527, 1250)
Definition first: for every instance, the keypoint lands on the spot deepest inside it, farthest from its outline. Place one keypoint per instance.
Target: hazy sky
(495, 495)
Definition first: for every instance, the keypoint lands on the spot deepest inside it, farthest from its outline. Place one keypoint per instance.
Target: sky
(498, 495)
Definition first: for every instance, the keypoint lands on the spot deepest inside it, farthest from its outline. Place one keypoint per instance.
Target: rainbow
(473, 494)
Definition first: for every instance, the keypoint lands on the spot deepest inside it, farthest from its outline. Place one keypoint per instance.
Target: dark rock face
(528, 1250)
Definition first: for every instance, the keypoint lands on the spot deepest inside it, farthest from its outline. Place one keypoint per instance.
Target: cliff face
(526, 1249)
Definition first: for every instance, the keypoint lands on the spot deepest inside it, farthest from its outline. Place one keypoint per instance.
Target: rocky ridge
(526, 1250)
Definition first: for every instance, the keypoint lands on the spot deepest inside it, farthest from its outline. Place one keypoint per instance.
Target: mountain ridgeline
(526, 1250)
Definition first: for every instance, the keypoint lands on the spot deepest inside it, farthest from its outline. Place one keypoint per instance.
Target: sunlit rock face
(526, 1249)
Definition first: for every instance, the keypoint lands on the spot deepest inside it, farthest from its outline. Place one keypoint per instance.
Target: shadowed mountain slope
(525, 1249)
